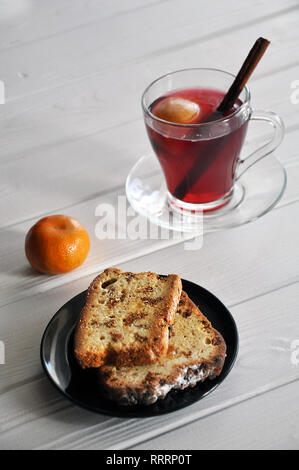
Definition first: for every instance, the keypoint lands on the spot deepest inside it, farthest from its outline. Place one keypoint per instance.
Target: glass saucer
(255, 193)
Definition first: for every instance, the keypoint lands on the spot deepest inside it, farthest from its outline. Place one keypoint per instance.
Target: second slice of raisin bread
(126, 317)
(196, 351)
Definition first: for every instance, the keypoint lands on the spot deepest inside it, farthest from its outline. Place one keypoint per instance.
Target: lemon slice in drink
(177, 110)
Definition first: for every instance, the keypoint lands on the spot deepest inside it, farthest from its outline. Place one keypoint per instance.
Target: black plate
(80, 385)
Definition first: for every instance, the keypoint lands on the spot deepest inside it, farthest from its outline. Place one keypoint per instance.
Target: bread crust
(144, 350)
(153, 382)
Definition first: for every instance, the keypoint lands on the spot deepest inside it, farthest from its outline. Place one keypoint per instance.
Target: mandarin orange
(57, 244)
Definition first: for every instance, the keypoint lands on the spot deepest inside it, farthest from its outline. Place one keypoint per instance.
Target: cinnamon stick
(250, 63)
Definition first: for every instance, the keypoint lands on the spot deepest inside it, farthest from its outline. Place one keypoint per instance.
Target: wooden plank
(85, 51)
(30, 417)
(85, 168)
(69, 172)
(18, 280)
(90, 105)
(71, 155)
(268, 422)
(24, 22)
(223, 266)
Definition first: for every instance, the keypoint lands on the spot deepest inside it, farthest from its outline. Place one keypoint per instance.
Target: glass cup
(201, 162)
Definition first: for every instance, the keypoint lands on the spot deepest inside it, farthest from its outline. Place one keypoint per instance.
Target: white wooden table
(71, 129)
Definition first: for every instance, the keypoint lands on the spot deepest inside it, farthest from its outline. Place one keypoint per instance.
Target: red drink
(198, 170)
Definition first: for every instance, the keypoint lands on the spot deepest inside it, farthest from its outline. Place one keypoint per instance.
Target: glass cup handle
(278, 128)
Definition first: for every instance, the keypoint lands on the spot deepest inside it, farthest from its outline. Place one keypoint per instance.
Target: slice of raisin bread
(126, 317)
(196, 351)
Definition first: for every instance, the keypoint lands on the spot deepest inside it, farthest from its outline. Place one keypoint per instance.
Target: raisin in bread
(196, 351)
(126, 317)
